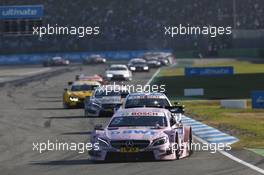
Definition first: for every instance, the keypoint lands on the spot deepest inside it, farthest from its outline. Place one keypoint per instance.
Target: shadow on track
(49, 101)
(65, 117)
(77, 133)
(64, 162)
(87, 162)
(44, 108)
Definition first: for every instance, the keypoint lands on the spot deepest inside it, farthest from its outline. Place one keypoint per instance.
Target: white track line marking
(230, 156)
(153, 76)
(35, 71)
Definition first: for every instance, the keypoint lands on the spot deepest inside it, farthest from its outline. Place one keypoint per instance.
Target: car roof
(141, 112)
(82, 82)
(140, 94)
(138, 59)
(118, 65)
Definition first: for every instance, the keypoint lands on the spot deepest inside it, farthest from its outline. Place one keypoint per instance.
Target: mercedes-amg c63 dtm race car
(94, 59)
(104, 100)
(95, 77)
(78, 91)
(118, 72)
(138, 65)
(141, 133)
(56, 61)
(151, 99)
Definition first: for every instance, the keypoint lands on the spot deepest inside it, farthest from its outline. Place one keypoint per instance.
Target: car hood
(117, 72)
(135, 133)
(80, 94)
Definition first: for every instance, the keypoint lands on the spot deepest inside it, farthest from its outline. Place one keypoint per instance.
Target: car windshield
(139, 62)
(126, 121)
(84, 87)
(117, 68)
(146, 102)
(152, 59)
(102, 93)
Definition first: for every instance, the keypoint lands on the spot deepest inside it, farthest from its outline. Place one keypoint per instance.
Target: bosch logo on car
(145, 132)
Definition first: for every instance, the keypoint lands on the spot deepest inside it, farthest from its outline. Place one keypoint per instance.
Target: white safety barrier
(194, 92)
(241, 104)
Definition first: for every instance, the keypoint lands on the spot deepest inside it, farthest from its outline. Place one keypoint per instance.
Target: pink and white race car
(141, 133)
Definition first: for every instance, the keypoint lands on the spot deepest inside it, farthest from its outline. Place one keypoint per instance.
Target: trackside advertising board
(21, 12)
(208, 71)
(73, 57)
(257, 99)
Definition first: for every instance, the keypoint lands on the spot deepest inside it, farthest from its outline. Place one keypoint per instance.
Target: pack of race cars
(143, 125)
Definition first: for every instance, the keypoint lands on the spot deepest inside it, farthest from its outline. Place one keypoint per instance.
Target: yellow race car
(74, 96)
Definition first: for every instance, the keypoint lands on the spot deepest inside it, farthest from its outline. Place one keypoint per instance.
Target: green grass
(248, 76)
(246, 124)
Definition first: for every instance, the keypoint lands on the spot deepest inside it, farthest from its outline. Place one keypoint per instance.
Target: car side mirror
(70, 83)
(98, 127)
(176, 109)
(176, 103)
(172, 121)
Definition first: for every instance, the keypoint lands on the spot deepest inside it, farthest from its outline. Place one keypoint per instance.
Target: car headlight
(132, 68)
(126, 75)
(102, 142)
(75, 99)
(145, 67)
(165, 61)
(109, 75)
(159, 141)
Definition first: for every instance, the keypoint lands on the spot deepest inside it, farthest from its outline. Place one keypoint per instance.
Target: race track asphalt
(34, 113)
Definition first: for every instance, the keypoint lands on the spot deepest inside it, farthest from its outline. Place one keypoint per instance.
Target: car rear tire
(177, 151)
(190, 142)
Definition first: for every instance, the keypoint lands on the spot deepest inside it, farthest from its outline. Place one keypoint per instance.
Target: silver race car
(118, 72)
(104, 100)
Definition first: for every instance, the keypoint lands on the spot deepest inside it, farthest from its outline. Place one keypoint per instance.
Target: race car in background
(78, 91)
(104, 100)
(151, 99)
(118, 72)
(94, 59)
(141, 133)
(95, 77)
(137, 65)
(153, 63)
(165, 58)
(56, 61)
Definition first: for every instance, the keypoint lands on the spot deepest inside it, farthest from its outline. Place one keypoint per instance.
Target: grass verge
(245, 124)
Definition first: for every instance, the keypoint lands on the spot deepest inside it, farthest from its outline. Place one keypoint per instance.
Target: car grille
(118, 76)
(139, 68)
(141, 144)
(115, 156)
(108, 106)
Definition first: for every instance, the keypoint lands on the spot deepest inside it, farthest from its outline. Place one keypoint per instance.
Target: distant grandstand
(136, 24)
